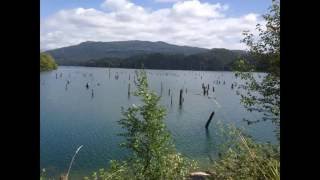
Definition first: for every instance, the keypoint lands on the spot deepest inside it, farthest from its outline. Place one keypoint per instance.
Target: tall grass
(248, 160)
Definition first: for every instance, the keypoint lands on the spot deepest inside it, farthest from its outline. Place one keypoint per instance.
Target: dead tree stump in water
(161, 89)
(181, 97)
(129, 90)
(204, 89)
(209, 120)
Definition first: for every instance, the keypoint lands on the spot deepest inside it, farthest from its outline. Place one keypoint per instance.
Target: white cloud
(167, 1)
(191, 22)
(121, 6)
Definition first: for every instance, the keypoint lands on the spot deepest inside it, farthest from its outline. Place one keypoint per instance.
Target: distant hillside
(215, 59)
(81, 53)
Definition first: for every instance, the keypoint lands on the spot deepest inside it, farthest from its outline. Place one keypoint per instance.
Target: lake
(72, 114)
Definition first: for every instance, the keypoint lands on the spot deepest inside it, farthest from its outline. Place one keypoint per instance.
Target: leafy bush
(266, 49)
(153, 152)
(247, 160)
(47, 62)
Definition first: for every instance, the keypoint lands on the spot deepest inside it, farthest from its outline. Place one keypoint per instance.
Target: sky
(199, 23)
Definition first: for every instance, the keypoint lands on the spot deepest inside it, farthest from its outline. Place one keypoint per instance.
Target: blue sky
(200, 23)
(236, 7)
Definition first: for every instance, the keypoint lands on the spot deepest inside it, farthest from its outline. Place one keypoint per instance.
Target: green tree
(47, 62)
(263, 95)
(154, 156)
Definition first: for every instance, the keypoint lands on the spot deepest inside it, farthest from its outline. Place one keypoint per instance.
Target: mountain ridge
(154, 55)
(117, 49)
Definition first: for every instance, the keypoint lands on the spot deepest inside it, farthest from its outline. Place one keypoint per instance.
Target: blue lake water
(70, 116)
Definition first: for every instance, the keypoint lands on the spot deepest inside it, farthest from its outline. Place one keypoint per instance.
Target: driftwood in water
(181, 97)
(209, 120)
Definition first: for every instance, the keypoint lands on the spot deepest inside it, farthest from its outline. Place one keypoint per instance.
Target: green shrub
(247, 160)
(47, 62)
(153, 153)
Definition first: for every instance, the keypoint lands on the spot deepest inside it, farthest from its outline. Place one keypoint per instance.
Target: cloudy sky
(200, 23)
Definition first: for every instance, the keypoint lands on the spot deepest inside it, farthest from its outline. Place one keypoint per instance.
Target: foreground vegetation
(263, 96)
(244, 159)
(47, 63)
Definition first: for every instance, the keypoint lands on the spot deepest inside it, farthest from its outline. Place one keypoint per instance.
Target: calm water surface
(72, 115)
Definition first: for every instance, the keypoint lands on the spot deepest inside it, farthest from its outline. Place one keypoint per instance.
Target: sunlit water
(72, 116)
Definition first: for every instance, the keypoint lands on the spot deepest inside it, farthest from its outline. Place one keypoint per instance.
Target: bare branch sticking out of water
(70, 165)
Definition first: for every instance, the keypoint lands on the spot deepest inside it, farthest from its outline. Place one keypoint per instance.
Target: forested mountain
(152, 55)
(215, 59)
(85, 51)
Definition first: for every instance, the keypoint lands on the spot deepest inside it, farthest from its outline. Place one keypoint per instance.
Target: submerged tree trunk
(181, 97)
(129, 90)
(209, 120)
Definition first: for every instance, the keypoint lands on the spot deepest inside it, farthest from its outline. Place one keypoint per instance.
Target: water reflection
(209, 145)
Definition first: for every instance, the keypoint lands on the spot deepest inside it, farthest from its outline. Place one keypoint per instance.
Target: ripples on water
(72, 114)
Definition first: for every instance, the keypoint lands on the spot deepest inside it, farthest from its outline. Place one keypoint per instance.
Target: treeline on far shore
(208, 62)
